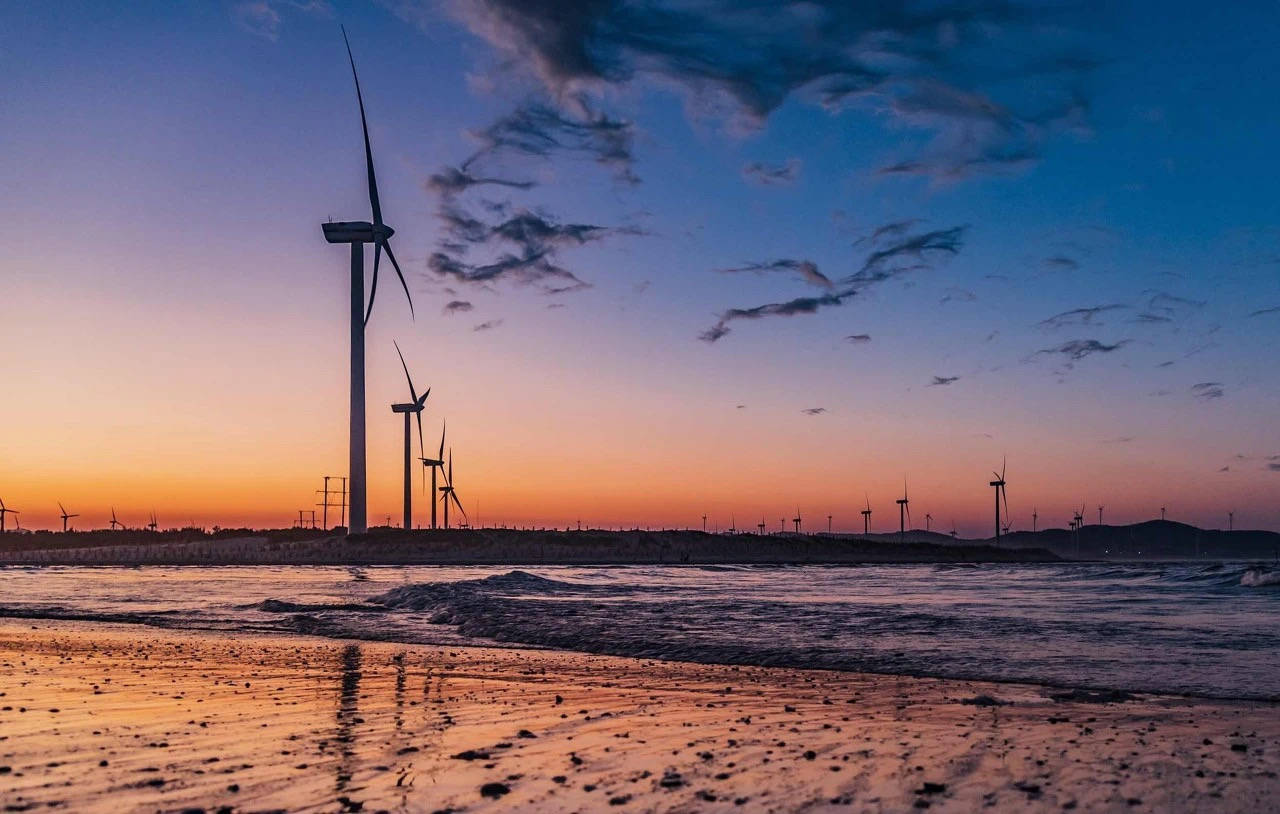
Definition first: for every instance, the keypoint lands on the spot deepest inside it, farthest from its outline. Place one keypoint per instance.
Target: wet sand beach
(97, 717)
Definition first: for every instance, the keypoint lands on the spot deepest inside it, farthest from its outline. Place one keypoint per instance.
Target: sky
(667, 259)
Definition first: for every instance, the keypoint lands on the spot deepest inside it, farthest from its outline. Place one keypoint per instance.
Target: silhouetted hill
(1152, 540)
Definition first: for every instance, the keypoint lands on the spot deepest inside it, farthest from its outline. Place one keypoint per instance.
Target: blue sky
(166, 165)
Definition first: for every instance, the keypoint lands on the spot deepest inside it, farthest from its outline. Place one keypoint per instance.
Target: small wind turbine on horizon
(435, 464)
(1100, 515)
(904, 512)
(114, 521)
(358, 233)
(448, 493)
(6, 511)
(760, 526)
(928, 521)
(998, 484)
(65, 516)
(796, 520)
(866, 516)
(153, 525)
(413, 407)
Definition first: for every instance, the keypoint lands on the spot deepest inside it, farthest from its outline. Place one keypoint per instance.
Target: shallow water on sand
(1200, 628)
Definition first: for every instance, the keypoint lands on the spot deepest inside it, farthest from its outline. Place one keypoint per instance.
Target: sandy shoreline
(121, 718)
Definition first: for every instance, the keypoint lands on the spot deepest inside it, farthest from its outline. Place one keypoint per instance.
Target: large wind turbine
(448, 493)
(436, 464)
(65, 516)
(413, 407)
(358, 233)
(3, 513)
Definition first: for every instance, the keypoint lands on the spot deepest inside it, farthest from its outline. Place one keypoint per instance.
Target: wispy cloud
(943, 381)
(955, 294)
(1061, 263)
(897, 254)
(264, 18)
(806, 270)
(814, 410)
(858, 339)
(1275, 309)
(488, 326)
(1077, 349)
(457, 307)
(1207, 391)
(1079, 316)
(773, 175)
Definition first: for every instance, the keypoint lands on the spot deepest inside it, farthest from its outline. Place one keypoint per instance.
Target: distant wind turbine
(413, 407)
(153, 525)
(114, 521)
(3, 512)
(435, 464)
(448, 493)
(1100, 515)
(1033, 520)
(903, 512)
(358, 233)
(796, 520)
(760, 526)
(866, 516)
(928, 520)
(65, 516)
(998, 483)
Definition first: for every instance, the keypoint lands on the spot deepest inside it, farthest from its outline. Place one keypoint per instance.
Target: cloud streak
(806, 270)
(773, 175)
(897, 253)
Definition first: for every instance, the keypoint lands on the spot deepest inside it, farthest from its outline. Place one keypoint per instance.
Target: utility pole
(344, 504)
(300, 523)
(325, 492)
(313, 518)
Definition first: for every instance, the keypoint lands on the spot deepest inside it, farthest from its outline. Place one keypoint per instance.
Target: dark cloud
(924, 65)
(897, 254)
(1151, 319)
(1273, 467)
(943, 381)
(457, 307)
(858, 339)
(773, 175)
(1061, 263)
(1077, 349)
(523, 247)
(539, 130)
(814, 410)
(1079, 316)
(1225, 469)
(806, 270)
(450, 181)
(1208, 391)
(488, 326)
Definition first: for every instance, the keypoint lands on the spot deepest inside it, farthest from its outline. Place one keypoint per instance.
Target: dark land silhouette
(1154, 540)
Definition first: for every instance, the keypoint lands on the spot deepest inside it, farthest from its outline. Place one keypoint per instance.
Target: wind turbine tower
(358, 233)
(413, 407)
(866, 517)
(1100, 515)
(928, 521)
(448, 493)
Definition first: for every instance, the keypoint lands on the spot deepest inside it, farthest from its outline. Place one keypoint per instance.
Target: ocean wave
(1260, 578)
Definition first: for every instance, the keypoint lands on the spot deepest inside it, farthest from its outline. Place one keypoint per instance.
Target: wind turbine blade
(387, 245)
(1004, 463)
(453, 495)
(413, 393)
(373, 287)
(422, 400)
(444, 425)
(62, 508)
(418, 415)
(368, 153)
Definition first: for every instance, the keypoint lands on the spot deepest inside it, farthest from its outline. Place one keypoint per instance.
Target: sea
(1204, 629)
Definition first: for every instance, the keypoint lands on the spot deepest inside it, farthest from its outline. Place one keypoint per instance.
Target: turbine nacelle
(407, 408)
(356, 231)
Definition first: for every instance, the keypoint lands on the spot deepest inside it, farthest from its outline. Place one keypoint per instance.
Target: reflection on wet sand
(101, 718)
